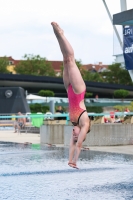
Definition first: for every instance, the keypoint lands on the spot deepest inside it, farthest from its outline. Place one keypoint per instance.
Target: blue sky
(25, 28)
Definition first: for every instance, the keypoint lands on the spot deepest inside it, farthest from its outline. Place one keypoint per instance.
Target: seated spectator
(127, 110)
(112, 116)
(117, 120)
(91, 117)
(107, 120)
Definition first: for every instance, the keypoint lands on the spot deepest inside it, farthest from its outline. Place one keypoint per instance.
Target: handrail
(62, 115)
(52, 116)
(87, 100)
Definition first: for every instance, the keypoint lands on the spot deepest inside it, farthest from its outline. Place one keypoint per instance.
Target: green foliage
(35, 108)
(121, 93)
(92, 76)
(38, 108)
(82, 71)
(78, 63)
(131, 104)
(61, 68)
(44, 109)
(3, 65)
(88, 94)
(94, 109)
(130, 107)
(46, 93)
(116, 74)
(122, 108)
(34, 65)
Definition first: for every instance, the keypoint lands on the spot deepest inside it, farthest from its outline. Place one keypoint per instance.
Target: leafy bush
(45, 109)
(88, 94)
(46, 93)
(122, 108)
(94, 109)
(38, 108)
(121, 93)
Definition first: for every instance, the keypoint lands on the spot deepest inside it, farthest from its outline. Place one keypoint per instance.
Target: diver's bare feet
(57, 30)
(73, 165)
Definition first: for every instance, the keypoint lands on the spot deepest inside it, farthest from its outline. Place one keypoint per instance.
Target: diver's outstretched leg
(74, 75)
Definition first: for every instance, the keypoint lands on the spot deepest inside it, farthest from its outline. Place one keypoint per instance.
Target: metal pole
(52, 106)
(117, 34)
(123, 5)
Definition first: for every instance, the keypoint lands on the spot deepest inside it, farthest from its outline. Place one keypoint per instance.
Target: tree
(46, 93)
(79, 64)
(61, 72)
(121, 93)
(34, 65)
(116, 74)
(92, 76)
(3, 65)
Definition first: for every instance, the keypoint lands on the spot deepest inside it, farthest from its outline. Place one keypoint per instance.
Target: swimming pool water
(30, 172)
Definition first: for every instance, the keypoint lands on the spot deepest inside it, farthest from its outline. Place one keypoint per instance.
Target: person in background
(96, 97)
(127, 110)
(19, 123)
(117, 119)
(60, 110)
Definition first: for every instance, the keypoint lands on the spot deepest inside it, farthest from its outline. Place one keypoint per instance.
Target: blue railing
(61, 115)
(66, 115)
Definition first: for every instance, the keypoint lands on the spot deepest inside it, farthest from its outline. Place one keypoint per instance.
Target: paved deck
(10, 136)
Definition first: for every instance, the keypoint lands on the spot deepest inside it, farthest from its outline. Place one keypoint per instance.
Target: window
(11, 62)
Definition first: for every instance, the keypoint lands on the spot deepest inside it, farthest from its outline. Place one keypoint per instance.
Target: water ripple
(55, 172)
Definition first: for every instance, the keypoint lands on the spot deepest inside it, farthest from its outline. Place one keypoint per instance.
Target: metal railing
(13, 116)
(89, 100)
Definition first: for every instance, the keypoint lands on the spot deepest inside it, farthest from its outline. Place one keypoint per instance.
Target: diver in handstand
(76, 89)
